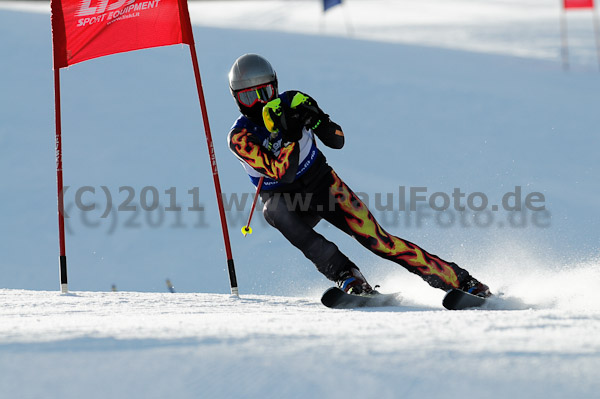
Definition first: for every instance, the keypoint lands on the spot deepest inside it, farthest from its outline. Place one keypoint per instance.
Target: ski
(457, 300)
(336, 298)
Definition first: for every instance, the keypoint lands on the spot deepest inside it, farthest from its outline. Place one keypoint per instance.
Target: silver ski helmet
(253, 83)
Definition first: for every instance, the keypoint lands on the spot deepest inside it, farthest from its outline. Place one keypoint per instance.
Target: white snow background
(436, 94)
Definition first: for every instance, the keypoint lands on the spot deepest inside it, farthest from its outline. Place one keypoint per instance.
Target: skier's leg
(347, 212)
(298, 229)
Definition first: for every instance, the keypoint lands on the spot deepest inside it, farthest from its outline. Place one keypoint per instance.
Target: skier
(274, 138)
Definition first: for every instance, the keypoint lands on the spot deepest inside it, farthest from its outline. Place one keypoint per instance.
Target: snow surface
(432, 93)
(151, 345)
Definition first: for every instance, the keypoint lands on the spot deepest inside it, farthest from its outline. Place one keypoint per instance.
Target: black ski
(338, 299)
(458, 300)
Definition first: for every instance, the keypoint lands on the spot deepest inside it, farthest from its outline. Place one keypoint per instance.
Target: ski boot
(353, 282)
(473, 286)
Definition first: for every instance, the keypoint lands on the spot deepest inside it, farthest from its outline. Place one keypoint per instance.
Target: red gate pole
(59, 186)
(213, 164)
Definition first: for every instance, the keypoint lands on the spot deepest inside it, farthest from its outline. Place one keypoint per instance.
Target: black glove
(290, 119)
(309, 113)
(279, 117)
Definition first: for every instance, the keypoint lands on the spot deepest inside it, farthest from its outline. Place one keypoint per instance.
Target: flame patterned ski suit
(300, 189)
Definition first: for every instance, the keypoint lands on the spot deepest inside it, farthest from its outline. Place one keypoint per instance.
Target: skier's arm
(330, 134)
(248, 149)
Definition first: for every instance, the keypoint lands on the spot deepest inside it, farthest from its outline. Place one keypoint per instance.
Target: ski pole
(247, 229)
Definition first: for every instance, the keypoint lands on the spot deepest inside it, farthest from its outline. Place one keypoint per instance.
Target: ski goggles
(263, 93)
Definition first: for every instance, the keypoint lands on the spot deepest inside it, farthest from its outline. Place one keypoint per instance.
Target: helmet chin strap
(255, 117)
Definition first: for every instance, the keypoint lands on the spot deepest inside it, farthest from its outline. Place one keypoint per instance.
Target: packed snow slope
(437, 95)
(152, 345)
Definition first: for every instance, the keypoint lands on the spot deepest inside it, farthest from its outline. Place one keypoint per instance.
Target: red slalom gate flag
(578, 4)
(86, 29)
